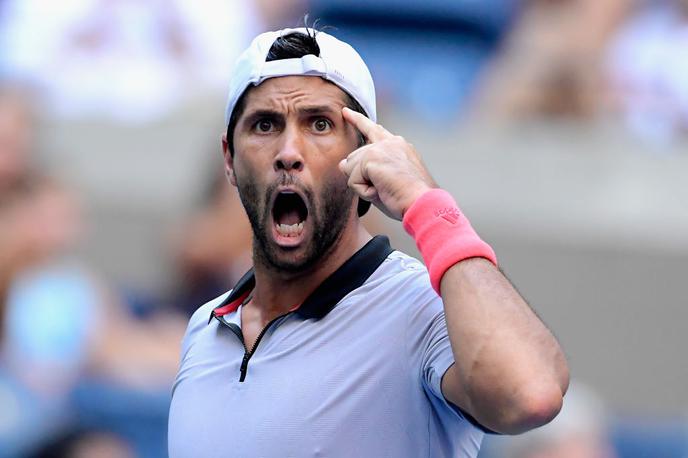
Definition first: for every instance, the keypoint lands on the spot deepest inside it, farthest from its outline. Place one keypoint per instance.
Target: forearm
(510, 373)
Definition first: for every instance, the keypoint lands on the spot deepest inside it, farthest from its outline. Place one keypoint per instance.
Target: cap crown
(338, 62)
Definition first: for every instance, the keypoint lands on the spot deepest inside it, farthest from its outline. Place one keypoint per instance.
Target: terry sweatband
(443, 235)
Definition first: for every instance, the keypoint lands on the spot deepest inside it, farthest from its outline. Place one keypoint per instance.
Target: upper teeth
(290, 229)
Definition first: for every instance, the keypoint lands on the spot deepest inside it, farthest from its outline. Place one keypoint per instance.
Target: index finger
(373, 132)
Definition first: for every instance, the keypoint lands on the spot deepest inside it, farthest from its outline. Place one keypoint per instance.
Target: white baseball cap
(338, 62)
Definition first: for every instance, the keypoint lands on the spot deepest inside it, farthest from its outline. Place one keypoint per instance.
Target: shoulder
(401, 282)
(404, 272)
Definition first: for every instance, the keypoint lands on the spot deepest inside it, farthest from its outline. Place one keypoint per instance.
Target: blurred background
(561, 127)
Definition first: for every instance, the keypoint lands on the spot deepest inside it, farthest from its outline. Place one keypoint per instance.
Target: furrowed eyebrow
(318, 109)
(253, 116)
(258, 114)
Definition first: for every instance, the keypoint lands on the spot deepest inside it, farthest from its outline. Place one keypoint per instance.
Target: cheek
(338, 145)
(256, 156)
(350, 138)
(330, 151)
(250, 160)
(326, 167)
(334, 184)
(252, 143)
(247, 175)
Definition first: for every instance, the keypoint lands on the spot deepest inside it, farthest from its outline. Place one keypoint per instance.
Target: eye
(264, 125)
(321, 125)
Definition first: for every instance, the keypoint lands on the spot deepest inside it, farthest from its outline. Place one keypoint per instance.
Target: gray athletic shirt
(355, 371)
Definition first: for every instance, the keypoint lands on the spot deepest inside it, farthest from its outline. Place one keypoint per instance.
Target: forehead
(295, 90)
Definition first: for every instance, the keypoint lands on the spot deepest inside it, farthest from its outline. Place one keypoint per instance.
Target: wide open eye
(264, 125)
(321, 124)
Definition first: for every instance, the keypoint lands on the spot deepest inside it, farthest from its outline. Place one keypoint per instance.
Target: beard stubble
(328, 212)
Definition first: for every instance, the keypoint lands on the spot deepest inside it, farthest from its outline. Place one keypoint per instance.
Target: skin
(293, 146)
(502, 342)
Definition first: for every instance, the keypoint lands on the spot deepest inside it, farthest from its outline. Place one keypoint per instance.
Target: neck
(277, 292)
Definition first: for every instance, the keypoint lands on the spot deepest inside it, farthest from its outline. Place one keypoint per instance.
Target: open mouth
(289, 212)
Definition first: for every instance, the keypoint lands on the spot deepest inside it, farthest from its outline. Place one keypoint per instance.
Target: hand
(387, 171)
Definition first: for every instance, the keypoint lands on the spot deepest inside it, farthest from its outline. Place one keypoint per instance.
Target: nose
(290, 154)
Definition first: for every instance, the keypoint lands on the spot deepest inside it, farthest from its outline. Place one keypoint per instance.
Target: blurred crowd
(133, 61)
(71, 354)
(84, 369)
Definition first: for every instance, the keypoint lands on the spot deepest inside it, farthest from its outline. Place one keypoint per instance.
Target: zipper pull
(244, 367)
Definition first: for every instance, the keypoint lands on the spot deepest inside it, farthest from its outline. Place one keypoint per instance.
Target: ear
(229, 160)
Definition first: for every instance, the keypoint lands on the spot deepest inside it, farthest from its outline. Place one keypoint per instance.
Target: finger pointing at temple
(387, 171)
(373, 132)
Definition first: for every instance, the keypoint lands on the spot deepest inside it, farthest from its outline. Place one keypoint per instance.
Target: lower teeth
(290, 230)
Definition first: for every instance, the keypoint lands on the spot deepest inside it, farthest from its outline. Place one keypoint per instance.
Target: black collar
(349, 276)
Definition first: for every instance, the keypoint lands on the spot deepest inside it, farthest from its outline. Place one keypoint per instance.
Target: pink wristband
(443, 234)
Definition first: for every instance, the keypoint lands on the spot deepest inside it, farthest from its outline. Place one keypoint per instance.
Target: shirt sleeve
(435, 353)
(198, 322)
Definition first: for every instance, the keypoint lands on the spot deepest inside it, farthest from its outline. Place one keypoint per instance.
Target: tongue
(289, 217)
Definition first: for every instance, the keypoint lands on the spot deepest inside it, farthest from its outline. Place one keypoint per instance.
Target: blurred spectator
(50, 314)
(648, 66)
(424, 56)
(130, 60)
(551, 63)
(15, 137)
(64, 333)
(214, 249)
(92, 445)
(15, 141)
(580, 431)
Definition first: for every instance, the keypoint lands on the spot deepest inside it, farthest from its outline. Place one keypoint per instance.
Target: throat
(289, 218)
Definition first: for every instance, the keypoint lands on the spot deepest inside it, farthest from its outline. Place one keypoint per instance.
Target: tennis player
(334, 344)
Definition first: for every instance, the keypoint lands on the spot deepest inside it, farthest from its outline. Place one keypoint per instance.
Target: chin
(292, 260)
(296, 229)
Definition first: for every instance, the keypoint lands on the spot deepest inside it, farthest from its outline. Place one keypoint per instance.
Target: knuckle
(384, 144)
(372, 168)
(376, 156)
(367, 153)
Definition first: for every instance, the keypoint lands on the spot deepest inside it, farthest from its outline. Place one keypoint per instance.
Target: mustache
(289, 180)
(286, 179)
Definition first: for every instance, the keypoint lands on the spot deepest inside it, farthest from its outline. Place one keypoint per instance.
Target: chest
(303, 376)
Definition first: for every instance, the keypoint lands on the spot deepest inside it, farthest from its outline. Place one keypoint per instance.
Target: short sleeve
(198, 322)
(435, 355)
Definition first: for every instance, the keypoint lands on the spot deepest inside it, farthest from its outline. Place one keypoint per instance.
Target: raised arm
(510, 373)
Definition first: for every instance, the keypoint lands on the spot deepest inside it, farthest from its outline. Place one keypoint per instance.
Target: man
(334, 344)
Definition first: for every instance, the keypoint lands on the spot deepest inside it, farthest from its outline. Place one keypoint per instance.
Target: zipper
(247, 353)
